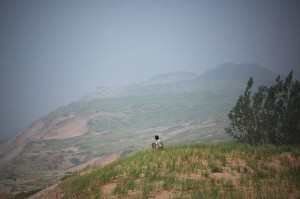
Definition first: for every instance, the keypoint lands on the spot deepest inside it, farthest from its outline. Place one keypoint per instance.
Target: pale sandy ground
(53, 193)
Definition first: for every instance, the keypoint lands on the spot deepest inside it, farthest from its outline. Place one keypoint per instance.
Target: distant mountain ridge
(181, 81)
(147, 87)
(170, 77)
(239, 72)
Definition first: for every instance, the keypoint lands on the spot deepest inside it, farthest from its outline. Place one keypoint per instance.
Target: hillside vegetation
(224, 170)
(109, 123)
(269, 116)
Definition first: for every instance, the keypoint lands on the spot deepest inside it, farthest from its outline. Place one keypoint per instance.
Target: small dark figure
(153, 145)
(158, 144)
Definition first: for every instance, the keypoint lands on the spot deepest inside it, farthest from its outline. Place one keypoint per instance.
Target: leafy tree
(271, 115)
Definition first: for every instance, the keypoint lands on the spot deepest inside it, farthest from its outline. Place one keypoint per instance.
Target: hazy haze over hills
(54, 52)
(104, 108)
(111, 122)
(171, 77)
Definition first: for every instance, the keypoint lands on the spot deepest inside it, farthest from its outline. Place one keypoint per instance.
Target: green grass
(224, 170)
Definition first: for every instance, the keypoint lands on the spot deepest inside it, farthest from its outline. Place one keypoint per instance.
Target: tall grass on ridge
(224, 170)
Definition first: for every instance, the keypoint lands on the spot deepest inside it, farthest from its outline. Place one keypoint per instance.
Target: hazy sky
(53, 52)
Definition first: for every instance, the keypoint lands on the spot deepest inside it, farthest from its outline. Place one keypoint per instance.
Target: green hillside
(224, 170)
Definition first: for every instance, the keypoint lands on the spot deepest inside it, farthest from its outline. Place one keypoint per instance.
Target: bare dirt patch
(226, 175)
(284, 161)
(49, 193)
(67, 128)
(98, 160)
(163, 194)
(237, 161)
(108, 189)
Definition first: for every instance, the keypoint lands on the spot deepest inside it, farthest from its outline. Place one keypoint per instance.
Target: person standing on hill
(158, 143)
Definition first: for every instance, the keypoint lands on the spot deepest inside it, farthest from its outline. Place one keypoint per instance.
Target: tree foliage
(269, 116)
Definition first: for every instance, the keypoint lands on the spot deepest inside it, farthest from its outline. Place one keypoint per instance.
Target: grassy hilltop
(224, 170)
